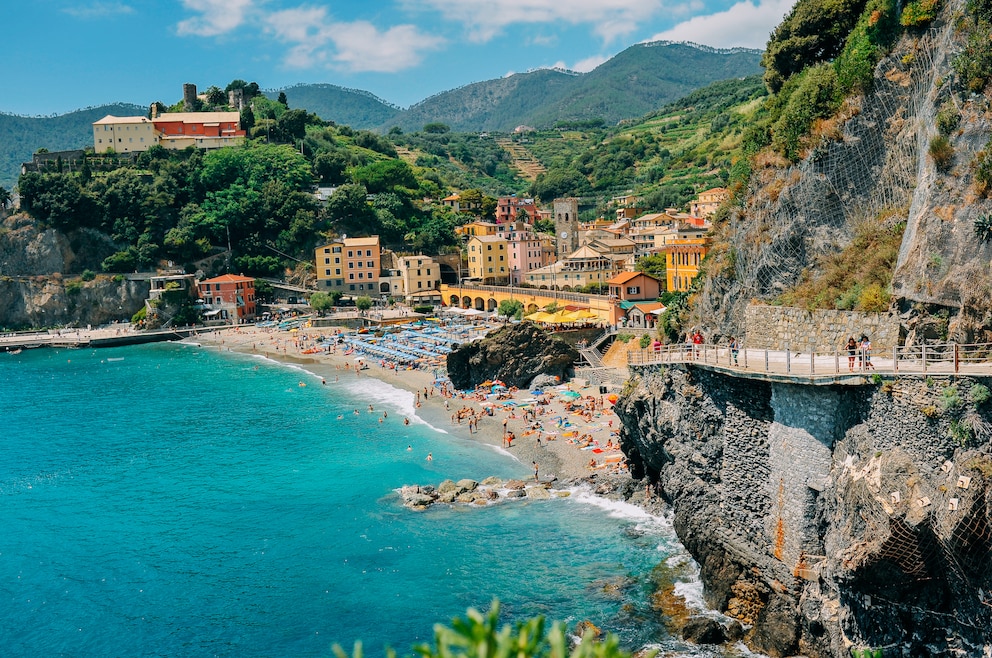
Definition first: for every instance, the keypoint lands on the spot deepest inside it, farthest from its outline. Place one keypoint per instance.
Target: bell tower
(566, 225)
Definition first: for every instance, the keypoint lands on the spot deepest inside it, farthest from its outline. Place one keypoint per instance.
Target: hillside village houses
(229, 298)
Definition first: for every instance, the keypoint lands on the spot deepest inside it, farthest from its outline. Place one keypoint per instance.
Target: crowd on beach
(562, 424)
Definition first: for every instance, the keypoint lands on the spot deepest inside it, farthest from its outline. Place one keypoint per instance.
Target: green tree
(349, 212)
(320, 302)
(247, 119)
(282, 100)
(5, 198)
(216, 96)
(386, 176)
(363, 303)
(436, 128)
(653, 264)
(511, 308)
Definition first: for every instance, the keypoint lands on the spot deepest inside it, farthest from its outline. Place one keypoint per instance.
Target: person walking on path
(735, 349)
(697, 343)
(852, 350)
(536, 479)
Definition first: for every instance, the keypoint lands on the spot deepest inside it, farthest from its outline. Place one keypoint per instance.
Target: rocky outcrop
(470, 492)
(40, 282)
(826, 517)
(515, 355)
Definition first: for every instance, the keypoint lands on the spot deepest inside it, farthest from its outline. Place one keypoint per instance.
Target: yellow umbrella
(585, 314)
(561, 317)
(539, 316)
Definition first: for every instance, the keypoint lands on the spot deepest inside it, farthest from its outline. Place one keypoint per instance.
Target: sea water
(171, 500)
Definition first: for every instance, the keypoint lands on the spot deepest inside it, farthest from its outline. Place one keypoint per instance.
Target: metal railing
(946, 358)
(522, 292)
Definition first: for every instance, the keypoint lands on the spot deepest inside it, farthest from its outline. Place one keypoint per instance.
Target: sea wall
(783, 327)
(829, 517)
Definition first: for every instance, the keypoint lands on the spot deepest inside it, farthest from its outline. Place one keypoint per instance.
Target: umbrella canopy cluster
(562, 316)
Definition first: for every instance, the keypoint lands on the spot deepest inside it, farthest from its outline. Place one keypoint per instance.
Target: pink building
(508, 209)
(524, 252)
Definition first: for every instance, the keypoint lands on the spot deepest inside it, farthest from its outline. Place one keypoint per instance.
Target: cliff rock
(827, 517)
(515, 354)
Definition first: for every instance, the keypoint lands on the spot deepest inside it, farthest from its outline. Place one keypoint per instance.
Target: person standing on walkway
(866, 352)
(536, 479)
(697, 342)
(852, 350)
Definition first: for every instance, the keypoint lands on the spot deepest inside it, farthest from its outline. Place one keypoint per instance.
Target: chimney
(154, 111)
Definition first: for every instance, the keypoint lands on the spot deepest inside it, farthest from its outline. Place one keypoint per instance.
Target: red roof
(229, 278)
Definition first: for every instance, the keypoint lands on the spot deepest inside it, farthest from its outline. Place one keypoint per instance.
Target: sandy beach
(571, 436)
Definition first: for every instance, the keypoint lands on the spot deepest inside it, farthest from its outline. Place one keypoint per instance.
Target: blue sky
(61, 55)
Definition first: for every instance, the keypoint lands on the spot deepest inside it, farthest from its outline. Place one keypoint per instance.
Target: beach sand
(559, 459)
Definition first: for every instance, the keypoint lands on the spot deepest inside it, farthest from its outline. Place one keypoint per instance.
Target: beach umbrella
(571, 395)
(612, 397)
(585, 314)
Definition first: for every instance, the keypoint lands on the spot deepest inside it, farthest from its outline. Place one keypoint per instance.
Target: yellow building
(487, 259)
(350, 266)
(682, 260)
(124, 134)
(478, 227)
(707, 202)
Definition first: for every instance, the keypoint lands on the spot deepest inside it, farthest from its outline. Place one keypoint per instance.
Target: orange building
(229, 297)
(682, 261)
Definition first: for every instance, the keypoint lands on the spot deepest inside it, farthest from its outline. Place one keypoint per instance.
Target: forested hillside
(639, 80)
(21, 136)
(350, 107)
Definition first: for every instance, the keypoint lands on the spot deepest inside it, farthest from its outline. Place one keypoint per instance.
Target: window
(327, 272)
(351, 265)
(337, 259)
(368, 252)
(370, 264)
(352, 286)
(327, 261)
(350, 255)
(337, 250)
(359, 265)
(337, 271)
(351, 277)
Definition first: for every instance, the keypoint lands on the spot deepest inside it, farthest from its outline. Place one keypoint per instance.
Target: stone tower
(566, 225)
(189, 95)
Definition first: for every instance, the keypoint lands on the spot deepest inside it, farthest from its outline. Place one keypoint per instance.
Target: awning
(210, 314)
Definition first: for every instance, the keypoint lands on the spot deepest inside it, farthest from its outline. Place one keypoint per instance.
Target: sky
(62, 55)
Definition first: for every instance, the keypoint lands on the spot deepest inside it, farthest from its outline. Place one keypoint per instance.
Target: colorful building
(682, 260)
(488, 259)
(175, 131)
(228, 298)
(706, 203)
(512, 209)
(350, 266)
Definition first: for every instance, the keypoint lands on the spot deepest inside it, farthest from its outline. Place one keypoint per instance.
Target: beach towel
(597, 450)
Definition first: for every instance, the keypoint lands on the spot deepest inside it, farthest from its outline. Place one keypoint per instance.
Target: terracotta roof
(228, 278)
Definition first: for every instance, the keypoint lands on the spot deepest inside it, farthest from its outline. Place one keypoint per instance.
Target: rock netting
(828, 517)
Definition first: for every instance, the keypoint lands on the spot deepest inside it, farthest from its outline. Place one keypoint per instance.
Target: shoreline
(558, 460)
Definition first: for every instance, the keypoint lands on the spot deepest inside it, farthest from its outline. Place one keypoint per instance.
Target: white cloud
(358, 46)
(487, 18)
(216, 17)
(744, 25)
(589, 63)
(99, 10)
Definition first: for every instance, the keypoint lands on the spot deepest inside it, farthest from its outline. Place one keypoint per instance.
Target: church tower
(566, 225)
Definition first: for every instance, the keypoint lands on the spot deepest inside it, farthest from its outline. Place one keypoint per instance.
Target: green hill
(21, 136)
(639, 80)
(349, 107)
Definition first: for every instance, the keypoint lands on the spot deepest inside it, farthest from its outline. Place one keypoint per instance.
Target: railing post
(766, 360)
(923, 353)
(788, 359)
(744, 350)
(895, 359)
(836, 362)
(812, 360)
(957, 359)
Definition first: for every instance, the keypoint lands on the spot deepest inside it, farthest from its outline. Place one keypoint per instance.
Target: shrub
(808, 96)
(625, 338)
(426, 310)
(950, 398)
(73, 287)
(645, 341)
(865, 45)
(974, 64)
(979, 394)
(982, 168)
(942, 153)
(873, 299)
(983, 227)
(920, 13)
(948, 118)
(87, 275)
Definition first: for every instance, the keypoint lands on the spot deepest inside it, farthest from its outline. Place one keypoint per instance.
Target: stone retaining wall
(775, 327)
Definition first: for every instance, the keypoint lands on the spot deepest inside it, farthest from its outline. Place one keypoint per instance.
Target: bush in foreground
(480, 636)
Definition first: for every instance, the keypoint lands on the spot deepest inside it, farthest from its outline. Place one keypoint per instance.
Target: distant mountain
(21, 136)
(349, 107)
(638, 80)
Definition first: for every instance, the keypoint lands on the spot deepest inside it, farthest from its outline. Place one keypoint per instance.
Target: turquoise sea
(168, 500)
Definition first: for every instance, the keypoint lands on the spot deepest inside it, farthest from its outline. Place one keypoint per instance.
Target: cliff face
(828, 517)
(869, 172)
(515, 354)
(37, 286)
